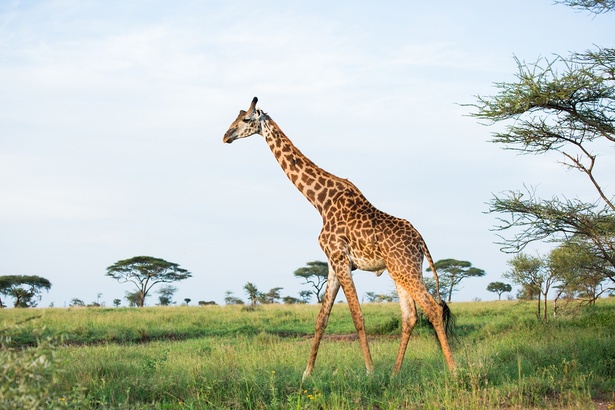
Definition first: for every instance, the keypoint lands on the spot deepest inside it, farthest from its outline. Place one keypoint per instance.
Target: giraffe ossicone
(354, 235)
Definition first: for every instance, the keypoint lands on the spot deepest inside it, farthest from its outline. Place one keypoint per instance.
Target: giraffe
(354, 234)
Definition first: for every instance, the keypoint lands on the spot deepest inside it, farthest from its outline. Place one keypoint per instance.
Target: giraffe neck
(313, 182)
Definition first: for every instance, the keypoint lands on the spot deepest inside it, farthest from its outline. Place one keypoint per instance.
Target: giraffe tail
(432, 266)
(447, 316)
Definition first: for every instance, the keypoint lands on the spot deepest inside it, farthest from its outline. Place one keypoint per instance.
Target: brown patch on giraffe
(322, 196)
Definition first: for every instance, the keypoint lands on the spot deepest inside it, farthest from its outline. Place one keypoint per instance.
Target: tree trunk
(559, 294)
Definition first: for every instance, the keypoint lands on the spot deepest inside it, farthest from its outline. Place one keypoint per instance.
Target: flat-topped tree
(314, 274)
(25, 289)
(453, 271)
(145, 272)
(499, 288)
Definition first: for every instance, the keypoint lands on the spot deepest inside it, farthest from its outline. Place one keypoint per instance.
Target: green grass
(225, 357)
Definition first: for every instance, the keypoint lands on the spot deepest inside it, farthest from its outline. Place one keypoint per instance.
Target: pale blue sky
(112, 115)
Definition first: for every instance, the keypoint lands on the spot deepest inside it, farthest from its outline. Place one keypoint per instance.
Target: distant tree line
(570, 269)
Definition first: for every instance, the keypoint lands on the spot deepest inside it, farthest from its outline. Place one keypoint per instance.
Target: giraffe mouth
(228, 138)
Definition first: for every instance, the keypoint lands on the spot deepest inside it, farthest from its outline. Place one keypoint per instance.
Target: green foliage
(581, 273)
(76, 302)
(595, 6)
(29, 378)
(252, 292)
(273, 296)
(452, 272)
(229, 299)
(556, 219)
(564, 105)
(221, 357)
(393, 325)
(166, 293)
(315, 274)
(534, 275)
(499, 288)
(145, 272)
(134, 298)
(25, 289)
(383, 297)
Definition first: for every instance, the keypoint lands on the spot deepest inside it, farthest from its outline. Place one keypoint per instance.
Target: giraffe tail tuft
(449, 320)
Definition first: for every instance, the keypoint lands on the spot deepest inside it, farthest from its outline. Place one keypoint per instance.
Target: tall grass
(223, 357)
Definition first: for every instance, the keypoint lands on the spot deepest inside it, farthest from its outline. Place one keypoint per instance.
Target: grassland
(223, 357)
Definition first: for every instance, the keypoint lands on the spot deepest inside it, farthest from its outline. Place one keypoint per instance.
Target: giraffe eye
(245, 120)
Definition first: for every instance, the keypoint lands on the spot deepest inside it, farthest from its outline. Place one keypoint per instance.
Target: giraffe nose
(229, 137)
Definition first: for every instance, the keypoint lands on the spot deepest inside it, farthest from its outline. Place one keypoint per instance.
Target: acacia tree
(133, 298)
(166, 293)
(564, 105)
(76, 302)
(499, 288)
(272, 296)
(374, 297)
(535, 275)
(230, 299)
(582, 275)
(315, 274)
(145, 272)
(452, 272)
(595, 6)
(25, 289)
(529, 293)
(305, 296)
(430, 285)
(252, 292)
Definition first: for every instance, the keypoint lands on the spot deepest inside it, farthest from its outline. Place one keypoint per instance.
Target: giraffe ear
(253, 105)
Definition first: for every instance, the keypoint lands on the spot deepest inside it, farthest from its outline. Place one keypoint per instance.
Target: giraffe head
(247, 124)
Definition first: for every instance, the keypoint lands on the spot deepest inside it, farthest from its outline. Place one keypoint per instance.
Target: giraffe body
(354, 235)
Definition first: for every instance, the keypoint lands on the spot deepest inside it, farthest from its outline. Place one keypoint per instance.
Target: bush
(28, 377)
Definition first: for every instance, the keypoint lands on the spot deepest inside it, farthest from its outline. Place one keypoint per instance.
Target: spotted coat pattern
(354, 235)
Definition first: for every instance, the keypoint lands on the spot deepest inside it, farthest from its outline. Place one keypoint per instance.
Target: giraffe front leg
(333, 286)
(345, 278)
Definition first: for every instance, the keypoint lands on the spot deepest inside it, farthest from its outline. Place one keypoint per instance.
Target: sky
(112, 115)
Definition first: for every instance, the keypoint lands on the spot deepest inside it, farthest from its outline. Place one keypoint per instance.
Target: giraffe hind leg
(409, 319)
(436, 313)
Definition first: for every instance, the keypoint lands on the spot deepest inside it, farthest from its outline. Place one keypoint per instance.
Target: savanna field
(221, 357)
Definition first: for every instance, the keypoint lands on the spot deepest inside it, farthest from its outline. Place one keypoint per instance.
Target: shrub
(28, 377)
